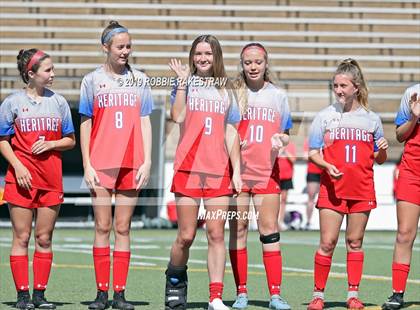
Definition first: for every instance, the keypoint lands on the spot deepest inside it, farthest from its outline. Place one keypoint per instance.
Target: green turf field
(72, 284)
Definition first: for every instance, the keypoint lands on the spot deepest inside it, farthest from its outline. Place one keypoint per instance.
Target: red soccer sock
(120, 267)
(399, 277)
(19, 266)
(102, 264)
(41, 268)
(239, 262)
(321, 271)
(216, 290)
(354, 269)
(273, 270)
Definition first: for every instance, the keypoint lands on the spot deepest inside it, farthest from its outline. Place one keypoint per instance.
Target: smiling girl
(264, 130)
(35, 126)
(202, 169)
(351, 139)
(115, 138)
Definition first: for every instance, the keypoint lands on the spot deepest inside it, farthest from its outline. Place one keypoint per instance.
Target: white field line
(89, 246)
(67, 239)
(339, 265)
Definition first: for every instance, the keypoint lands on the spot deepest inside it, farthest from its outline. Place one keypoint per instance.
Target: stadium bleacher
(305, 40)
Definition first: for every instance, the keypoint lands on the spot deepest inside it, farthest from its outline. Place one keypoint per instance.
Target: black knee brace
(271, 238)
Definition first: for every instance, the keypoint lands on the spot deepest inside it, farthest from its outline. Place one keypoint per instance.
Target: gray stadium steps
(156, 33)
(226, 9)
(46, 18)
(313, 34)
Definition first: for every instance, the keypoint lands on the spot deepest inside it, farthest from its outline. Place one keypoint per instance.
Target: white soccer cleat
(217, 304)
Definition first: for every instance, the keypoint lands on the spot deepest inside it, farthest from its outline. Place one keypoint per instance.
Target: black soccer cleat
(119, 302)
(176, 288)
(39, 300)
(24, 301)
(101, 301)
(395, 301)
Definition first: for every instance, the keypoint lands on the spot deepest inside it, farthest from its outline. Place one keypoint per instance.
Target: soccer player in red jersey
(208, 149)
(115, 137)
(264, 129)
(351, 139)
(407, 193)
(35, 126)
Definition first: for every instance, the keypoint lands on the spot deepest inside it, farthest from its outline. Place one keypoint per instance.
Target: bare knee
(327, 247)
(43, 240)
(406, 236)
(103, 228)
(354, 244)
(21, 239)
(241, 230)
(122, 229)
(269, 228)
(216, 236)
(184, 240)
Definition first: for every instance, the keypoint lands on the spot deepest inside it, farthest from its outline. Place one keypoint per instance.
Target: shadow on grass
(259, 303)
(134, 303)
(199, 305)
(251, 303)
(57, 303)
(408, 304)
(336, 304)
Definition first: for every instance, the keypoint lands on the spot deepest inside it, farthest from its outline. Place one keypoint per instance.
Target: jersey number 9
(208, 122)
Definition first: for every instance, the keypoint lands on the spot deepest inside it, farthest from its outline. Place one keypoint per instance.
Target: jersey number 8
(118, 119)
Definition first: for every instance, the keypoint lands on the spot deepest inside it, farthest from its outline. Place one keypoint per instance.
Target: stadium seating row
(305, 40)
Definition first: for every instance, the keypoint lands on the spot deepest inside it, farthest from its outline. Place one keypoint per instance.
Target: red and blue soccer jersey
(267, 113)
(347, 140)
(201, 147)
(115, 107)
(28, 121)
(410, 163)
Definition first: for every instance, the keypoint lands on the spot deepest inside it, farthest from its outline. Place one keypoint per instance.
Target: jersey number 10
(256, 133)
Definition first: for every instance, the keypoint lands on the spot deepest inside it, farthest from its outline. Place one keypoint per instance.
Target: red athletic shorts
(269, 186)
(201, 185)
(345, 206)
(33, 198)
(119, 178)
(408, 188)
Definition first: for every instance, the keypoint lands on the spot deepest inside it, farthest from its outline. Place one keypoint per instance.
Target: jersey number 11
(350, 153)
